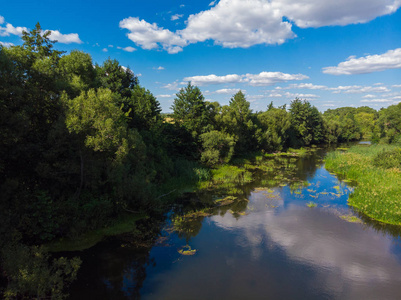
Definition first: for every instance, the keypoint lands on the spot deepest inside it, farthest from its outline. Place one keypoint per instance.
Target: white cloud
(228, 91)
(165, 96)
(368, 64)
(377, 100)
(318, 13)
(357, 89)
(369, 96)
(129, 49)
(176, 17)
(5, 44)
(56, 35)
(150, 36)
(158, 68)
(261, 79)
(310, 86)
(172, 86)
(110, 46)
(301, 96)
(10, 29)
(270, 78)
(105, 50)
(275, 95)
(238, 23)
(214, 79)
(396, 86)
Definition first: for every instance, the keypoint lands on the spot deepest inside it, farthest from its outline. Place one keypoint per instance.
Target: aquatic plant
(187, 250)
(311, 204)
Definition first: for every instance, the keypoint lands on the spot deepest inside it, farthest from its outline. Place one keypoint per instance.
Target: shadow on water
(260, 239)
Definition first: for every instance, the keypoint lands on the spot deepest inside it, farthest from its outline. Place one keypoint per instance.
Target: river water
(272, 245)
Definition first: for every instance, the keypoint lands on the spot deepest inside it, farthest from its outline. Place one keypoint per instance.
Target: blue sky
(331, 53)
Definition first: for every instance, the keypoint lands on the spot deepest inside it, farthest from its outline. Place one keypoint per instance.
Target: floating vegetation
(187, 250)
(225, 201)
(311, 204)
(351, 219)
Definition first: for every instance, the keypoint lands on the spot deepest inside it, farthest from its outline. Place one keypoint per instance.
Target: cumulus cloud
(150, 36)
(165, 96)
(382, 100)
(55, 35)
(239, 23)
(10, 29)
(128, 49)
(70, 38)
(368, 64)
(271, 78)
(214, 79)
(105, 50)
(158, 68)
(261, 79)
(318, 13)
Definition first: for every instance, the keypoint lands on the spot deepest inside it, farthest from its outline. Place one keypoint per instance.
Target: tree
(190, 110)
(218, 147)
(306, 123)
(237, 120)
(274, 126)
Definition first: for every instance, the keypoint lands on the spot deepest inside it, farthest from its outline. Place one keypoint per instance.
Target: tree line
(80, 143)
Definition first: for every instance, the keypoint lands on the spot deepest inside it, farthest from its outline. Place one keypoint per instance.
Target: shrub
(388, 159)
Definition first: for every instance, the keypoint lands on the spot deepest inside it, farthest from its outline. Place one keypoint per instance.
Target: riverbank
(378, 190)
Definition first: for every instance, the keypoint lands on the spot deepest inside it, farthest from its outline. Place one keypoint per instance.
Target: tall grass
(378, 191)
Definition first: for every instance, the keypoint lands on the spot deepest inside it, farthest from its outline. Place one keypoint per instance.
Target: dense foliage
(82, 143)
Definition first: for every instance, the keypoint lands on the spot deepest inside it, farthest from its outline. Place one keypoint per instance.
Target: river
(292, 236)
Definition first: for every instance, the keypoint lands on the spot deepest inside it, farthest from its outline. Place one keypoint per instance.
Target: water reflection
(271, 246)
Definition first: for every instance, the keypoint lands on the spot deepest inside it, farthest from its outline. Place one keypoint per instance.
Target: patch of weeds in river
(351, 219)
(187, 250)
(378, 190)
(311, 204)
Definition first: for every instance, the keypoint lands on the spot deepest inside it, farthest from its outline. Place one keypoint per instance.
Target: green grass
(378, 191)
(90, 239)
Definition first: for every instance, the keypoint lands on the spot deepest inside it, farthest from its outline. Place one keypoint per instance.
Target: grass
(378, 191)
(90, 239)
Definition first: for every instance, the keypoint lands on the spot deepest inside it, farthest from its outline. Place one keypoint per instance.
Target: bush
(388, 159)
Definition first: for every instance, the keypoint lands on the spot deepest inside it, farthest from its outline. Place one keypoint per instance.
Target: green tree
(218, 147)
(307, 124)
(237, 120)
(274, 128)
(190, 110)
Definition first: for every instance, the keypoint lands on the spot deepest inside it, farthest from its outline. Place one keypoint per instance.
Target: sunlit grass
(378, 191)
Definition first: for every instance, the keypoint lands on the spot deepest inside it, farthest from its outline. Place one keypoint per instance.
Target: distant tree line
(80, 143)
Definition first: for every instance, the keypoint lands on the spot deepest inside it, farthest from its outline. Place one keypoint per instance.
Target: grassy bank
(378, 191)
(89, 239)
